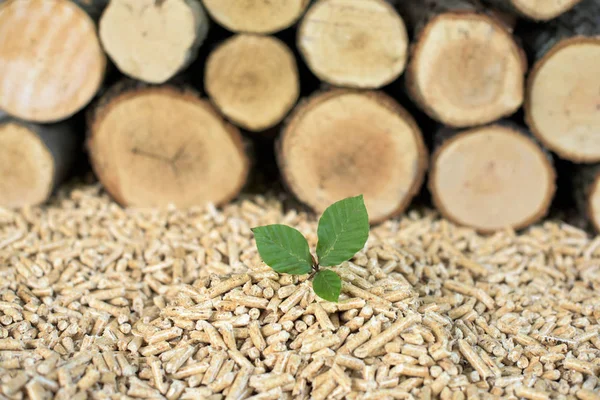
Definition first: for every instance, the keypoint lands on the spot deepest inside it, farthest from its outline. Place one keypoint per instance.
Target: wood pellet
(97, 301)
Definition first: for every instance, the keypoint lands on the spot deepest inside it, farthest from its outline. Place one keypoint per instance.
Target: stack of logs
(463, 66)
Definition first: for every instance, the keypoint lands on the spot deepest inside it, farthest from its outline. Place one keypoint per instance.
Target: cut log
(534, 9)
(256, 16)
(491, 177)
(343, 143)
(562, 106)
(34, 160)
(153, 40)
(466, 68)
(51, 61)
(253, 80)
(359, 44)
(587, 194)
(154, 146)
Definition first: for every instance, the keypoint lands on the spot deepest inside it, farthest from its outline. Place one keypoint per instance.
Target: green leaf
(343, 230)
(327, 285)
(283, 248)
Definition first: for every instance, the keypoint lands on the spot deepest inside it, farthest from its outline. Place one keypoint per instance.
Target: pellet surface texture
(103, 302)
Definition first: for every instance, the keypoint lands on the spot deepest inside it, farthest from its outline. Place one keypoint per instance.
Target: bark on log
(491, 177)
(587, 194)
(534, 9)
(343, 143)
(94, 8)
(253, 80)
(51, 61)
(34, 160)
(256, 16)
(153, 40)
(359, 44)
(466, 68)
(160, 145)
(562, 106)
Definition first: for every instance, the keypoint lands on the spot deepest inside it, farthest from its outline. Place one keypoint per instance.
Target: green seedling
(343, 230)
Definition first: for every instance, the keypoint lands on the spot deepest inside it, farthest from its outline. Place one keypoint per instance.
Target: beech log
(51, 61)
(152, 146)
(562, 106)
(491, 177)
(342, 143)
(466, 68)
(358, 44)
(34, 160)
(152, 40)
(253, 80)
(256, 16)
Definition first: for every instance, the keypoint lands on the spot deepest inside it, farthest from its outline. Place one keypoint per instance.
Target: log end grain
(543, 11)
(343, 143)
(359, 44)
(256, 16)
(253, 80)
(562, 107)
(155, 146)
(51, 61)
(466, 70)
(491, 178)
(26, 167)
(152, 41)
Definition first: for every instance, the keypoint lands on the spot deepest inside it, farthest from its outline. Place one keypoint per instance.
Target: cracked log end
(51, 61)
(466, 70)
(563, 102)
(491, 178)
(154, 146)
(256, 16)
(33, 160)
(359, 44)
(152, 41)
(343, 143)
(253, 80)
(543, 10)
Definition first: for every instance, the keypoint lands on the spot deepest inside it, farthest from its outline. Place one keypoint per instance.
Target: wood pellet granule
(97, 301)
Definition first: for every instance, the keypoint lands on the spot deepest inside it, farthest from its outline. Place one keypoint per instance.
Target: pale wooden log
(51, 61)
(342, 143)
(152, 40)
(161, 145)
(534, 9)
(466, 68)
(358, 44)
(34, 160)
(253, 80)
(256, 16)
(562, 106)
(491, 177)
(586, 183)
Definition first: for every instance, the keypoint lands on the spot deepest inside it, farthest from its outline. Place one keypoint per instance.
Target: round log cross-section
(51, 61)
(490, 178)
(466, 70)
(343, 143)
(154, 146)
(563, 99)
(253, 80)
(359, 44)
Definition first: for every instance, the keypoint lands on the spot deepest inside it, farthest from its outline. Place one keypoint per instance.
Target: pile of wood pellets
(102, 302)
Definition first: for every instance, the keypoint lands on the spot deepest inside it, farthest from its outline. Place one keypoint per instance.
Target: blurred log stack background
(492, 107)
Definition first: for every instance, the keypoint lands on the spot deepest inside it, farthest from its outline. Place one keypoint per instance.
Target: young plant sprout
(343, 230)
